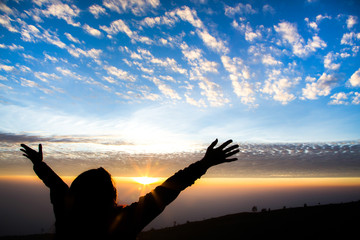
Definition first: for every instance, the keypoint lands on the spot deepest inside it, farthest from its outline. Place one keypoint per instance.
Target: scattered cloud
(97, 10)
(322, 87)
(238, 76)
(328, 61)
(355, 79)
(350, 38)
(63, 11)
(137, 7)
(241, 9)
(351, 21)
(289, 34)
(6, 68)
(119, 73)
(278, 87)
(92, 31)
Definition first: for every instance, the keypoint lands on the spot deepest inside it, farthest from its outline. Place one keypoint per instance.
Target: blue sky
(181, 72)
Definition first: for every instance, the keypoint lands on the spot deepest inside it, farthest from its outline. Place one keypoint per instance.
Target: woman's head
(94, 187)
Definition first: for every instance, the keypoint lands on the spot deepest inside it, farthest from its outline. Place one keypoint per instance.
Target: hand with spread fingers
(34, 156)
(221, 154)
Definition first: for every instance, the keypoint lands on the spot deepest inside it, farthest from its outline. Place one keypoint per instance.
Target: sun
(145, 180)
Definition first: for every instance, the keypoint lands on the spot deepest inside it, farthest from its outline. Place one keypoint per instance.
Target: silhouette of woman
(88, 209)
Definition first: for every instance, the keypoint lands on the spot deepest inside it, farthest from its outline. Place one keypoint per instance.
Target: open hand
(221, 154)
(34, 156)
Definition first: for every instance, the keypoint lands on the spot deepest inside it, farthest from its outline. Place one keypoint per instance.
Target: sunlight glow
(146, 180)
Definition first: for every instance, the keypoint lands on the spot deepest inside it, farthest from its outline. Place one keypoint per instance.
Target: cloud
(279, 87)
(43, 76)
(356, 98)
(198, 103)
(6, 68)
(66, 72)
(186, 14)
(92, 31)
(120, 26)
(339, 99)
(328, 61)
(71, 38)
(241, 9)
(12, 47)
(63, 11)
(97, 10)
(355, 79)
(199, 65)
(290, 35)
(165, 89)
(5, 21)
(119, 73)
(267, 59)
(250, 34)
(351, 21)
(321, 87)
(350, 38)
(137, 7)
(213, 93)
(5, 8)
(238, 71)
(268, 9)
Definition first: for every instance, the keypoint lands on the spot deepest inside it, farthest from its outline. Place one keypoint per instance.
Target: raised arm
(152, 204)
(44, 172)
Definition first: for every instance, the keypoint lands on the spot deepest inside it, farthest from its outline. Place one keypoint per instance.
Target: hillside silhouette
(309, 222)
(316, 222)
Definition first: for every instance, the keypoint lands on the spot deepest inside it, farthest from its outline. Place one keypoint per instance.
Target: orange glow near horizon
(261, 182)
(146, 180)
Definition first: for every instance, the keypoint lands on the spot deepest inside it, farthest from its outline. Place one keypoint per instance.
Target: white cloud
(351, 21)
(238, 75)
(267, 59)
(240, 9)
(119, 73)
(116, 27)
(339, 99)
(355, 79)
(356, 98)
(63, 11)
(186, 14)
(279, 89)
(71, 38)
(137, 7)
(92, 31)
(290, 35)
(328, 61)
(12, 47)
(6, 68)
(213, 93)
(268, 9)
(165, 89)
(97, 10)
(250, 34)
(5, 21)
(5, 8)
(120, 26)
(66, 72)
(322, 87)
(350, 38)
(199, 65)
(43, 76)
(198, 103)
(168, 19)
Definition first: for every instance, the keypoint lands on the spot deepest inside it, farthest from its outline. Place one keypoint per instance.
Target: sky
(94, 79)
(142, 87)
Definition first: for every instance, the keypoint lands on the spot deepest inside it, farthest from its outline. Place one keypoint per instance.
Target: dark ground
(335, 221)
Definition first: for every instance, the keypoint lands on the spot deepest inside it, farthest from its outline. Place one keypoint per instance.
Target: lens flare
(145, 180)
